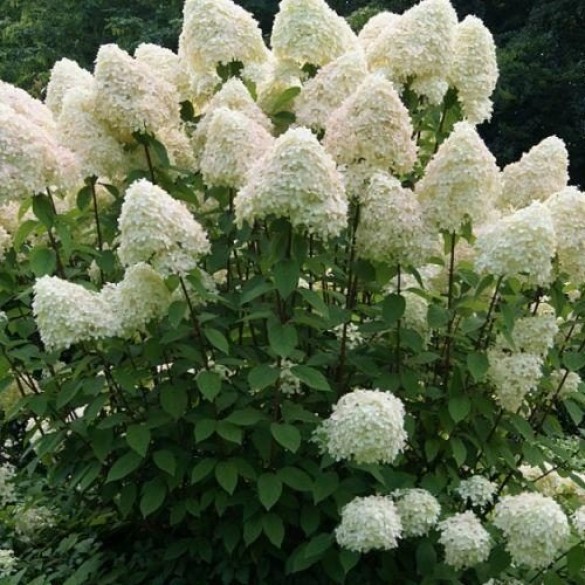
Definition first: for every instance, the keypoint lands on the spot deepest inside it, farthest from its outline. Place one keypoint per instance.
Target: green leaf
(576, 560)
(273, 527)
(229, 432)
(296, 478)
(202, 470)
(226, 473)
(124, 466)
(269, 489)
(393, 308)
(575, 411)
(318, 545)
(458, 449)
(282, 338)
(42, 261)
(153, 496)
(284, 99)
(426, 558)
(478, 365)
(437, 316)
(459, 407)
(311, 377)
(83, 197)
(209, 384)
(286, 276)
(573, 360)
(43, 209)
(174, 400)
(348, 559)
(204, 429)
(217, 339)
(245, 417)
(138, 438)
(262, 376)
(165, 460)
(325, 485)
(286, 435)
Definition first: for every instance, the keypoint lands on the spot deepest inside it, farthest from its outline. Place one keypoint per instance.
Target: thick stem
(195, 323)
(448, 340)
(149, 163)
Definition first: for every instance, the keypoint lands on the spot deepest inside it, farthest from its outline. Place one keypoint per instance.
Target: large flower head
(65, 75)
(461, 181)
(25, 105)
(370, 523)
(541, 171)
(234, 143)
(219, 32)
(374, 126)
(477, 490)
(466, 541)
(567, 208)
(308, 31)
(130, 96)
(418, 510)
(521, 243)
(474, 69)
(533, 334)
(366, 426)
(160, 230)
(329, 88)
(535, 527)
(376, 26)
(298, 180)
(391, 227)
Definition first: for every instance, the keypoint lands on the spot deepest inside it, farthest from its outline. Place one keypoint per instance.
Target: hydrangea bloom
(372, 125)
(416, 313)
(366, 426)
(542, 171)
(477, 490)
(571, 381)
(391, 227)
(158, 229)
(535, 526)
(370, 523)
(529, 229)
(353, 335)
(65, 75)
(533, 334)
(376, 26)
(461, 181)
(29, 521)
(166, 64)
(234, 143)
(219, 31)
(567, 208)
(474, 69)
(418, 510)
(288, 383)
(466, 541)
(130, 96)
(514, 376)
(25, 105)
(7, 562)
(308, 31)
(329, 88)
(578, 521)
(296, 179)
(7, 491)
(67, 313)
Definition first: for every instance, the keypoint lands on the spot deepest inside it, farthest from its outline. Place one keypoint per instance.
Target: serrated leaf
(284, 99)
(311, 377)
(573, 360)
(42, 261)
(437, 316)
(282, 338)
(478, 365)
(286, 435)
(138, 438)
(286, 276)
(458, 449)
(174, 400)
(269, 489)
(153, 496)
(226, 473)
(124, 466)
(393, 308)
(83, 197)
(261, 377)
(165, 460)
(426, 558)
(245, 417)
(273, 527)
(217, 339)
(43, 210)
(204, 429)
(325, 485)
(209, 384)
(229, 432)
(459, 407)
(296, 478)
(202, 470)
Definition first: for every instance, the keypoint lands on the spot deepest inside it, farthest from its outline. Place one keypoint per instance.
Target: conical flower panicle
(65, 75)
(374, 126)
(329, 88)
(297, 180)
(541, 171)
(474, 69)
(308, 31)
(461, 182)
(376, 26)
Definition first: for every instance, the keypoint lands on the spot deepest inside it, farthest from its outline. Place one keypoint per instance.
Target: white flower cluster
(547, 481)
(477, 491)
(578, 521)
(533, 334)
(531, 230)
(353, 336)
(571, 382)
(466, 541)
(391, 228)
(366, 426)
(219, 31)
(29, 521)
(7, 489)
(416, 313)
(298, 180)
(372, 125)
(376, 26)
(308, 31)
(535, 527)
(567, 209)
(65, 75)
(370, 523)
(542, 171)
(289, 384)
(461, 182)
(325, 92)
(418, 510)
(234, 143)
(514, 376)
(474, 69)
(8, 562)
(158, 229)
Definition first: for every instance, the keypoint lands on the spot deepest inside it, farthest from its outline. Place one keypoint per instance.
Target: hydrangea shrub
(277, 313)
